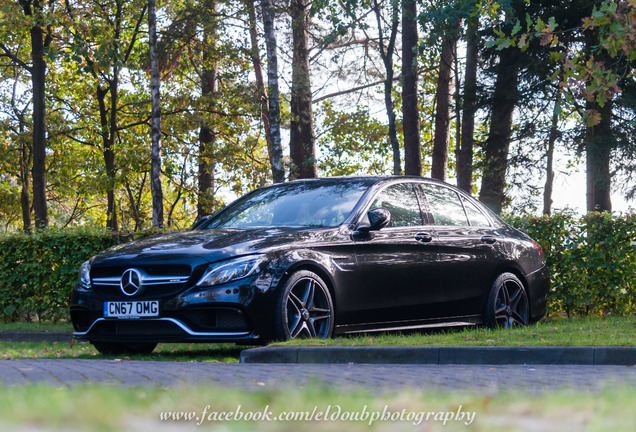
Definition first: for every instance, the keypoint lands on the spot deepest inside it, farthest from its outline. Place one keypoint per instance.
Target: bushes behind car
(592, 261)
(38, 271)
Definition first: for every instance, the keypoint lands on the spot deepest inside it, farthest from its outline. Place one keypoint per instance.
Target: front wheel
(507, 303)
(304, 308)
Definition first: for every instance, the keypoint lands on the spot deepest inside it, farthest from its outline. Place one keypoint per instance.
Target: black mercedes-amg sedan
(312, 258)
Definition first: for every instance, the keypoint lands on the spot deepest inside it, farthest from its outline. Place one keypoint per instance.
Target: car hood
(209, 245)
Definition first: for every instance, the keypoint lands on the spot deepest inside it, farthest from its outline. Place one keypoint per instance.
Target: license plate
(131, 309)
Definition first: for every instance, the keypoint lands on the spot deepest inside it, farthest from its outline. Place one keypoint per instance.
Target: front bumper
(155, 330)
(240, 311)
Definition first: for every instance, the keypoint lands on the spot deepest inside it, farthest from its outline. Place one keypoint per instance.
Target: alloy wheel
(511, 304)
(309, 311)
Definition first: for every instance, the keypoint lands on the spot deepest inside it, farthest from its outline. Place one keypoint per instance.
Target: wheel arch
(517, 272)
(314, 267)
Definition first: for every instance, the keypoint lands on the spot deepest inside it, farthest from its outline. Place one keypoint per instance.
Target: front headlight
(84, 276)
(217, 274)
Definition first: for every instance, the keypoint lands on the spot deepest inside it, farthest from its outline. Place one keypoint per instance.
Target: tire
(304, 308)
(116, 348)
(508, 304)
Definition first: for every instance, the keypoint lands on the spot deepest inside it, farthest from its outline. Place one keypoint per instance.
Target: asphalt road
(480, 378)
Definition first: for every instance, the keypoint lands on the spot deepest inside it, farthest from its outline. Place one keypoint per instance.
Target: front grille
(156, 281)
(151, 270)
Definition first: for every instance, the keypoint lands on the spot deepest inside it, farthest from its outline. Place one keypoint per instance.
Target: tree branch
(14, 58)
(352, 90)
(135, 33)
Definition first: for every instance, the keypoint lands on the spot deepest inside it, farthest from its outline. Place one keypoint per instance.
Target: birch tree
(278, 172)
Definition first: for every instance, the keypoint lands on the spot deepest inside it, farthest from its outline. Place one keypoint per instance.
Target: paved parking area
(480, 378)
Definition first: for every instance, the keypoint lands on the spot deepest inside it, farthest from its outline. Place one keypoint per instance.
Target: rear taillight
(538, 247)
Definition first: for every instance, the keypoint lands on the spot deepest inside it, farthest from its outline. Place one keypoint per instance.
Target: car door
(396, 265)
(468, 250)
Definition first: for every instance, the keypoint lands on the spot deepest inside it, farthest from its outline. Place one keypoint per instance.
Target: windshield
(304, 204)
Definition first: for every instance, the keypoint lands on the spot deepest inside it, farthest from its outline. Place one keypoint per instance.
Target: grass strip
(107, 408)
(226, 353)
(37, 327)
(588, 331)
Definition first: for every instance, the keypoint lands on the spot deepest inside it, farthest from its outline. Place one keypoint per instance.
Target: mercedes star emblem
(130, 282)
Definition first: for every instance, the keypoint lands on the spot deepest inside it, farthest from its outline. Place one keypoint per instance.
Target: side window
(475, 216)
(401, 201)
(445, 205)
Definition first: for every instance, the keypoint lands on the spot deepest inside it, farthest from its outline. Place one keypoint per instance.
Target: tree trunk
(465, 150)
(410, 110)
(442, 109)
(301, 139)
(598, 141)
(107, 96)
(155, 159)
(270, 110)
(24, 190)
(40, 41)
(207, 134)
(109, 159)
(111, 214)
(109, 155)
(598, 147)
(457, 107)
(493, 182)
(258, 72)
(205, 202)
(386, 53)
(134, 205)
(109, 144)
(25, 162)
(554, 132)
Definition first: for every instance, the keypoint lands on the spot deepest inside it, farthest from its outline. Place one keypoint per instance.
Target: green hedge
(37, 272)
(592, 261)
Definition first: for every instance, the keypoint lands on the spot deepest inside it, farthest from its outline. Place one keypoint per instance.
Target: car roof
(370, 179)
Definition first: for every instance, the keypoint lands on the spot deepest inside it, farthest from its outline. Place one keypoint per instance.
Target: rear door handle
(488, 239)
(424, 237)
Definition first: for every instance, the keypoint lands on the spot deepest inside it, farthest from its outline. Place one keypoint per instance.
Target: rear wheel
(304, 308)
(507, 303)
(116, 348)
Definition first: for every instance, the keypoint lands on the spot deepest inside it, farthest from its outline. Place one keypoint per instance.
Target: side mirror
(200, 222)
(378, 218)
(374, 220)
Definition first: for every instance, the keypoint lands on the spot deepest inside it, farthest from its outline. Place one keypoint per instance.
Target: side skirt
(408, 325)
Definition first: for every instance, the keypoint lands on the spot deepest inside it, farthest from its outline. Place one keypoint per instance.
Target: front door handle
(424, 237)
(488, 239)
